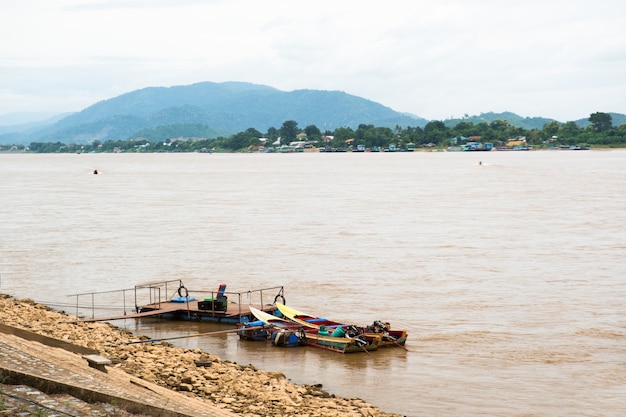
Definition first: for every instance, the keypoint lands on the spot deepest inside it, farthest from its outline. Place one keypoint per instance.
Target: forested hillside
(235, 116)
(223, 108)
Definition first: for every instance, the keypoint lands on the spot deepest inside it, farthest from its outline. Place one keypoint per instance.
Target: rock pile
(241, 389)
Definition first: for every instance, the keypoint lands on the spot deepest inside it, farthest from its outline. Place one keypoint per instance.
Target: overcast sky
(562, 59)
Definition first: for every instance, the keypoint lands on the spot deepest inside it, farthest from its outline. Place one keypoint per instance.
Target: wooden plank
(97, 359)
(97, 362)
(46, 340)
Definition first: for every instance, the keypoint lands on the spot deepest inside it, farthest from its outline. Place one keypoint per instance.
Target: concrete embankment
(41, 350)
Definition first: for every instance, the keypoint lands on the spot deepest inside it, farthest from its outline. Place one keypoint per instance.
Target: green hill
(512, 118)
(617, 119)
(223, 108)
(525, 122)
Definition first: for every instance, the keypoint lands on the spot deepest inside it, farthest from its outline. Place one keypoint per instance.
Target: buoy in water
(95, 172)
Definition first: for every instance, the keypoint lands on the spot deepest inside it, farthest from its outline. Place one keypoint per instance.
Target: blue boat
(269, 327)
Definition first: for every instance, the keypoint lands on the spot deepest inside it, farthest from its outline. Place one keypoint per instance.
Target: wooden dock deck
(234, 313)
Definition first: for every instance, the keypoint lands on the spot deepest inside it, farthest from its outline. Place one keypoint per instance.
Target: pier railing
(130, 300)
(257, 297)
(114, 302)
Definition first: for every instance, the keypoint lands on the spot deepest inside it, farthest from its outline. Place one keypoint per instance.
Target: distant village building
(521, 141)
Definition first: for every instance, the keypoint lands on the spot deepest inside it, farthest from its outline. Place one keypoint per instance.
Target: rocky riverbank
(241, 389)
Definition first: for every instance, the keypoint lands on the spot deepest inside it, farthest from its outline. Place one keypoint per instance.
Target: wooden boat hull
(385, 337)
(250, 331)
(310, 336)
(395, 338)
(339, 344)
(281, 333)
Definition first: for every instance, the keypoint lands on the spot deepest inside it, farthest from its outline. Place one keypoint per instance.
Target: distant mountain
(526, 122)
(28, 122)
(617, 119)
(221, 109)
(512, 118)
(25, 118)
(225, 108)
(29, 125)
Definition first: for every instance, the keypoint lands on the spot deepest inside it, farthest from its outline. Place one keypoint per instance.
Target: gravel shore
(243, 390)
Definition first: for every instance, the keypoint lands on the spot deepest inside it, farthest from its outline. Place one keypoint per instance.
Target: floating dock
(190, 310)
(172, 300)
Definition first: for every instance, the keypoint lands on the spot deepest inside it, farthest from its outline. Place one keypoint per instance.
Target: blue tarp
(182, 299)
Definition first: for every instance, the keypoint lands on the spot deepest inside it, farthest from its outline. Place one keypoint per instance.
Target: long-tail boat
(286, 331)
(378, 329)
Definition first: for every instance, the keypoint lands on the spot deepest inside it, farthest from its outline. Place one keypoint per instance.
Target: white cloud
(560, 59)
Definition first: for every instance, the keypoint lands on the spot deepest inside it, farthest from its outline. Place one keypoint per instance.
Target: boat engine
(356, 333)
(378, 327)
(289, 338)
(353, 331)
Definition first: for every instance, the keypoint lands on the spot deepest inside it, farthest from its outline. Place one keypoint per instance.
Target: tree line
(435, 134)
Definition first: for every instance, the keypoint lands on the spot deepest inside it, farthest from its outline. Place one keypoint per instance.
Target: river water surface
(509, 275)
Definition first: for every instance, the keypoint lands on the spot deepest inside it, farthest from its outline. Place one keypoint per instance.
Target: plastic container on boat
(339, 332)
